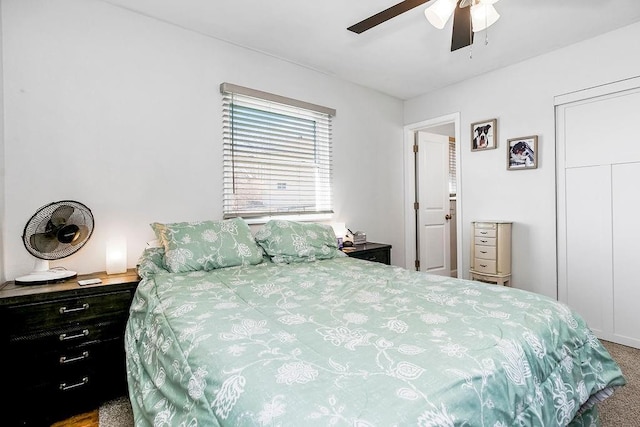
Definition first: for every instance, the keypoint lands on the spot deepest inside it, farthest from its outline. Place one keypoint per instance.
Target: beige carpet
(620, 410)
(116, 413)
(623, 408)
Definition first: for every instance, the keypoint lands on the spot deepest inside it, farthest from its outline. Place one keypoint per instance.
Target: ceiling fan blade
(385, 15)
(462, 35)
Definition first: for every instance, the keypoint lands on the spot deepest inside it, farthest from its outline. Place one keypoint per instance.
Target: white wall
(123, 113)
(521, 98)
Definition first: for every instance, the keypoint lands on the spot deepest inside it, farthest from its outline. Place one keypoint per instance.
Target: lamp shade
(483, 16)
(439, 13)
(116, 255)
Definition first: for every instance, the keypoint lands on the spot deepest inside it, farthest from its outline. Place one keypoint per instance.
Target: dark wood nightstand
(63, 346)
(376, 252)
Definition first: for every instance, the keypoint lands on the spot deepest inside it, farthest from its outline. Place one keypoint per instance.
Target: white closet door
(598, 173)
(588, 246)
(626, 260)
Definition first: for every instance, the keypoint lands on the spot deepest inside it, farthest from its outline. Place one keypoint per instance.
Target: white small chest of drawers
(491, 252)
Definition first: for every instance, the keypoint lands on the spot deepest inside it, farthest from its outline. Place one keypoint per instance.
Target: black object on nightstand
(63, 346)
(370, 251)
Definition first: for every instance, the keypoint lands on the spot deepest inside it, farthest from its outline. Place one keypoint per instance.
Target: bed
(230, 329)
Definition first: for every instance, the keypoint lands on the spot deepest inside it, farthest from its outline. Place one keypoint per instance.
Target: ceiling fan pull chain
(486, 29)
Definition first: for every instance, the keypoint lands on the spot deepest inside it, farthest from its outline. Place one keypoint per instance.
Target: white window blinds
(277, 155)
(453, 183)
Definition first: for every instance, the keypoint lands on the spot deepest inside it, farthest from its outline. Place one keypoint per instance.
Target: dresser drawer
(487, 241)
(375, 252)
(65, 392)
(485, 232)
(64, 365)
(59, 313)
(65, 339)
(484, 266)
(485, 252)
(374, 256)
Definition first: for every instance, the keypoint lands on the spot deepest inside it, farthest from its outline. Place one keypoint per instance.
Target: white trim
(596, 91)
(254, 93)
(561, 226)
(409, 186)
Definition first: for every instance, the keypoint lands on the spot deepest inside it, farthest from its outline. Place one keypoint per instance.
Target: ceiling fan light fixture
(439, 12)
(483, 15)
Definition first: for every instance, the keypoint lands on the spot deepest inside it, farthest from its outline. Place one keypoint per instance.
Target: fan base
(45, 277)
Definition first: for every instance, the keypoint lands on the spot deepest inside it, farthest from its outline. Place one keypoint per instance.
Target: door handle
(447, 217)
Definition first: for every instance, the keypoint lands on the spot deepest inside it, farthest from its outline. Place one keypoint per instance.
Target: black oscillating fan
(55, 231)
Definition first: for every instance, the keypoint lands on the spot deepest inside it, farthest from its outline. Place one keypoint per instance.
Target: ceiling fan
(469, 16)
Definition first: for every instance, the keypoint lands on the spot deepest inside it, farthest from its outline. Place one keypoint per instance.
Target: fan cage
(81, 216)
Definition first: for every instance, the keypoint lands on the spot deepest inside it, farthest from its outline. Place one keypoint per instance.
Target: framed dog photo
(522, 153)
(483, 135)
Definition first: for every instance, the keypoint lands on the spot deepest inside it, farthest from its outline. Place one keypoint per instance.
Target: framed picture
(522, 153)
(483, 135)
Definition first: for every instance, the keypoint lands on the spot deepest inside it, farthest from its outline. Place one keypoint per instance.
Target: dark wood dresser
(370, 251)
(63, 346)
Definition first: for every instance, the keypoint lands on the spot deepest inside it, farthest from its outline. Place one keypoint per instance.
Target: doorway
(432, 218)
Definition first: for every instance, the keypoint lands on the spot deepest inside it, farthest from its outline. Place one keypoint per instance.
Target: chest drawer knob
(64, 310)
(66, 337)
(64, 359)
(65, 386)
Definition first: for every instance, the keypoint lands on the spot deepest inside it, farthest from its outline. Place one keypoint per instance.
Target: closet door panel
(626, 237)
(588, 243)
(603, 130)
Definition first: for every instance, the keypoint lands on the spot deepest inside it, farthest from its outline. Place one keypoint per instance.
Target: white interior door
(433, 200)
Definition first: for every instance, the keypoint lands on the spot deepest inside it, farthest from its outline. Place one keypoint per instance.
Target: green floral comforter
(354, 343)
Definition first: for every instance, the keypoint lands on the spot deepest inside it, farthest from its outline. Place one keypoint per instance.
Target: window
(453, 184)
(277, 155)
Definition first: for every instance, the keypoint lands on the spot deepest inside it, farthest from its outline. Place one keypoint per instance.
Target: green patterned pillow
(151, 262)
(207, 245)
(289, 241)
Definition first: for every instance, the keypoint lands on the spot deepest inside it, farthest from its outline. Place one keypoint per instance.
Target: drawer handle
(64, 310)
(65, 337)
(483, 265)
(65, 387)
(64, 359)
(372, 258)
(484, 241)
(483, 252)
(483, 232)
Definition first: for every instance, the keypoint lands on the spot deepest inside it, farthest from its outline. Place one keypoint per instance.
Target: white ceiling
(404, 57)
